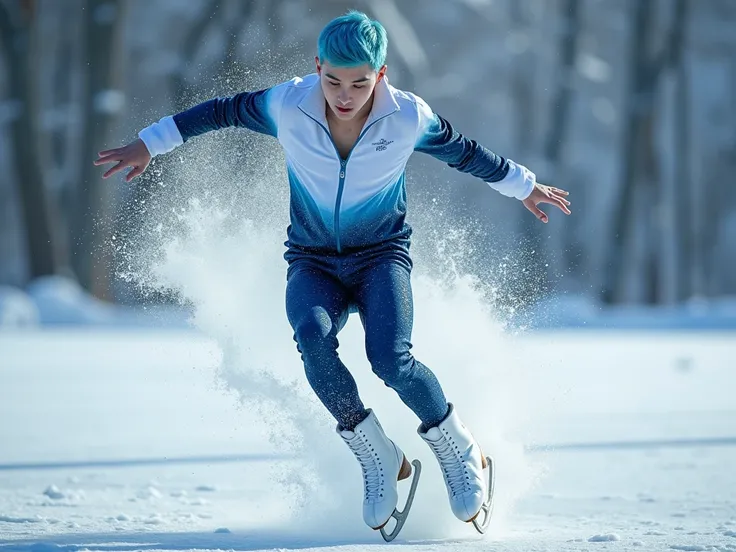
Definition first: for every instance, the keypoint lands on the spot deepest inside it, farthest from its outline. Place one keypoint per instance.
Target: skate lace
(372, 471)
(453, 468)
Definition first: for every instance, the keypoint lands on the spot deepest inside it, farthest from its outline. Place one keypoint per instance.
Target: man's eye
(334, 84)
(356, 86)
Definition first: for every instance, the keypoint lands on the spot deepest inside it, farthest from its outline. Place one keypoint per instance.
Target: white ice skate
(462, 462)
(383, 465)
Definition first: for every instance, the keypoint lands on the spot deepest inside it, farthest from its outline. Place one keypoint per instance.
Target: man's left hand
(546, 194)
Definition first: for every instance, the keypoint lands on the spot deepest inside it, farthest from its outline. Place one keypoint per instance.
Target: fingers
(541, 215)
(547, 194)
(124, 159)
(119, 167)
(136, 171)
(557, 197)
(554, 197)
(558, 202)
(108, 157)
(562, 204)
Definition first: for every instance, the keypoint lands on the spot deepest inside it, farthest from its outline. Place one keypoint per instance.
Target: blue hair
(352, 40)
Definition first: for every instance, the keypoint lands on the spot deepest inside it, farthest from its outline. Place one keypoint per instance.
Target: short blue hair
(352, 40)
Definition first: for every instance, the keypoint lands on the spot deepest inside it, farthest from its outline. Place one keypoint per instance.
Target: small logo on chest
(382, 144)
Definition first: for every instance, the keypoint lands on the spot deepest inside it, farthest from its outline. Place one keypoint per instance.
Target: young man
(347, 135)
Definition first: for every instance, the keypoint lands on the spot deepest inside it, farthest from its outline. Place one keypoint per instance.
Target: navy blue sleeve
(440, 140)
(247, 109)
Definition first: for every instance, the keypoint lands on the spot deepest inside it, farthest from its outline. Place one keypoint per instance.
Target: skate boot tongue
(433, 434)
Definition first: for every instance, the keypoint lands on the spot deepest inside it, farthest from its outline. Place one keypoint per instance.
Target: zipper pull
(342, 169)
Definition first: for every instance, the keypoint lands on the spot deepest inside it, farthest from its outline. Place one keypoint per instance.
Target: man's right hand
(134, 155)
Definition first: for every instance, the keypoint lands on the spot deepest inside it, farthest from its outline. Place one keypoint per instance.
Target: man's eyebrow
(333, 77)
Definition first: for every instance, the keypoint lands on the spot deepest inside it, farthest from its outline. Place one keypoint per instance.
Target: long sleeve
(247, 109)
(437, 137)
(257, 111)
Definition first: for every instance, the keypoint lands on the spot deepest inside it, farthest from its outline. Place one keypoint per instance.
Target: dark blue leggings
(321, 291)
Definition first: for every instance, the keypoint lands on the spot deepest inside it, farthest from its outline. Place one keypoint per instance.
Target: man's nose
(343, 97)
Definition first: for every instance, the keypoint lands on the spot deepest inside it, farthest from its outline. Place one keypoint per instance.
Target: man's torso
(348, 185)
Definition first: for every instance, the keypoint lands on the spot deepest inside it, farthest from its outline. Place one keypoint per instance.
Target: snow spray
(213, 232)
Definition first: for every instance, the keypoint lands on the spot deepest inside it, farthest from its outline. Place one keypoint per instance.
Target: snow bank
(17, 309)
(578, 311)
(59, 300)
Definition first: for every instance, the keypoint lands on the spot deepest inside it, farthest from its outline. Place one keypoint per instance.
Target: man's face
(348, 89)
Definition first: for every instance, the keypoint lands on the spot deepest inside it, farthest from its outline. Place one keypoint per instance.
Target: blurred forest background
(628, 104)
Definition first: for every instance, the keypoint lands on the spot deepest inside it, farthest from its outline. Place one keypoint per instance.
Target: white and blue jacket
(340, 205)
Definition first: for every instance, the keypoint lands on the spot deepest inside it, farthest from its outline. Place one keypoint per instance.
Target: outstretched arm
(253, 110)
(437, 137)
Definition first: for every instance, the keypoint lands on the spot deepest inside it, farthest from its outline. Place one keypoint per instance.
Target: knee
(313, 331)
(391, 363)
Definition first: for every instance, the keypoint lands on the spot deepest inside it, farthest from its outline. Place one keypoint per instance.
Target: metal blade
(400, 516)
(487, 508)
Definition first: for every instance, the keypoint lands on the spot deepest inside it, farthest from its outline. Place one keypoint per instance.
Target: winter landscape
(151, 394)
(142, 439)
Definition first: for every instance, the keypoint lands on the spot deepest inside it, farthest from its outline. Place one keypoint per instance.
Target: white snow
(131, 399)
(211, 440)
(54, 493)
(17, 309)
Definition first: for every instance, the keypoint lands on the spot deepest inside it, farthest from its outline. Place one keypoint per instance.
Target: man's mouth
(343, 109)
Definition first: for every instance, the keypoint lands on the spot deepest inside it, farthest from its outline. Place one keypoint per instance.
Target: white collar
(384, 103)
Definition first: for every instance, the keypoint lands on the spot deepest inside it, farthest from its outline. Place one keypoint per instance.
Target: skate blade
(483, 518)
(400, 516)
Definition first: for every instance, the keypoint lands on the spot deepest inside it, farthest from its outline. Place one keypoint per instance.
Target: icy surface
(129, 441)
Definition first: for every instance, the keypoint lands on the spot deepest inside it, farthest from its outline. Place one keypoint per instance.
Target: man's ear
(319, 67)
(381, 73)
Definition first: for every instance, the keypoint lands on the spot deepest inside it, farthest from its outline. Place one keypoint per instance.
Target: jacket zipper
(343, 167)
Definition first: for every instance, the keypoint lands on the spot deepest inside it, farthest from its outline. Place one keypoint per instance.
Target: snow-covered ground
(139, 440)
(119, 438)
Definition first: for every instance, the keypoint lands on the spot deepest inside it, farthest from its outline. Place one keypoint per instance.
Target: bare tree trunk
(638, 103)
(190, 46)
(522, 83)
(58, 95)
(559, 127)
(651, 210)
(563, 94)
(104, 100)
(684, 221)
(638, 158)
(18, 35)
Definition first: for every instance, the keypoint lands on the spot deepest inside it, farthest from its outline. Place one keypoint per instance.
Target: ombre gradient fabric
(342, 205)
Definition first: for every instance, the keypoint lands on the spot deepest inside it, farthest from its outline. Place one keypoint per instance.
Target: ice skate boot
(462, 462)
(383, 465)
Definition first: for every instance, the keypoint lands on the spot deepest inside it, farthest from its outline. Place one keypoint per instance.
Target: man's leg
(317, 307)
(384, 297)
(385, 302)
